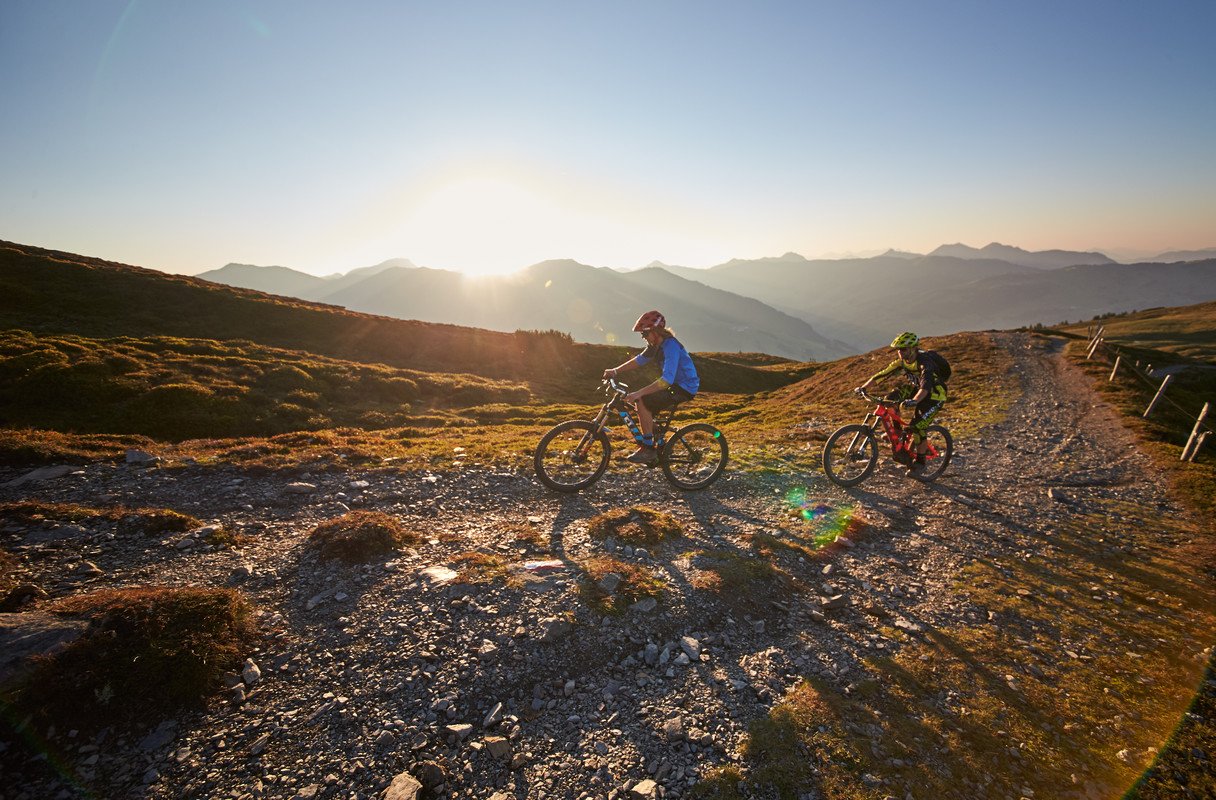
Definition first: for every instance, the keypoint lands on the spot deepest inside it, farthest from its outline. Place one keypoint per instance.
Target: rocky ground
(518, 688)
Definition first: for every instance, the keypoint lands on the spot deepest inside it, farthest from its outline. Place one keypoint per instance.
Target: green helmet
(905, 339)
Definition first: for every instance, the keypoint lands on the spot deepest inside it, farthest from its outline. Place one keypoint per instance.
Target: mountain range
(785, 305)
(591, 304)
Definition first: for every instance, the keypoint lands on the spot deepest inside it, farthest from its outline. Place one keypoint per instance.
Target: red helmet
(651, 319)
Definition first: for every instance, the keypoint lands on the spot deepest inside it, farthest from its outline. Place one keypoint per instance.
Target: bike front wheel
(940, 440)
(572, 456)
(695, 456)
(850, 455)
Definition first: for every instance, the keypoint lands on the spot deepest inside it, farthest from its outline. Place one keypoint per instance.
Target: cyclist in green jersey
(927, 372)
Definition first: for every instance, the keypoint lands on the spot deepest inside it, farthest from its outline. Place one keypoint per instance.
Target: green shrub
(391, 390)
(183, 410)
(284, 378)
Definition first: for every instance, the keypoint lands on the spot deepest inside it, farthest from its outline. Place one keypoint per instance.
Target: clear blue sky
(182, 135)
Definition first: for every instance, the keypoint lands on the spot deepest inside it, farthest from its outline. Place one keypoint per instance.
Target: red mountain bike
(851, 453)
(573, 455)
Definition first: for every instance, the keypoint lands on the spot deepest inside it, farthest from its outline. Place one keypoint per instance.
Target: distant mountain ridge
(596, 305)
(1044, 259)
(803, 309)
(1185, 255)
(865, 300)
(294, 283)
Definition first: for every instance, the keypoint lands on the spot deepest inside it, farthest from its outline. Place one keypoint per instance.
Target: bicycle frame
(616, 403)
(896, 430)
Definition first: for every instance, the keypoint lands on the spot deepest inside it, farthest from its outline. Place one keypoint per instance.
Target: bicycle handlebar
(863, 394)
(615, 385)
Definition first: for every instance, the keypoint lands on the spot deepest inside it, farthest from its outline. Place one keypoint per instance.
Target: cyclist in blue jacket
(677, 382)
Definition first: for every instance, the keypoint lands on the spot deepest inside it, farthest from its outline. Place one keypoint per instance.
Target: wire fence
(1199, 433)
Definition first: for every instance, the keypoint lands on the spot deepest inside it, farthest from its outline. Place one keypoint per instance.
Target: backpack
(941, 367)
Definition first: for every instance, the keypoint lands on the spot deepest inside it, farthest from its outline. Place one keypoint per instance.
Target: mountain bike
(851, 453)
(573, 455)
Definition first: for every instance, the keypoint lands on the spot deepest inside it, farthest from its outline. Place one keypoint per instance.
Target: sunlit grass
(361, 535)
(1188, 331)
(638, 525)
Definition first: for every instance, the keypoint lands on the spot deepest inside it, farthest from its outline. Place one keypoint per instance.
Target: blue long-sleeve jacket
(675, 365)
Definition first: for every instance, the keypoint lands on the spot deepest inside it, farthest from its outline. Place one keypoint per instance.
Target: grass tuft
(8, 571)
(360, 535)
(148, 651)
(148, 521)
(636, 583)
(639, 525)
(475, 567)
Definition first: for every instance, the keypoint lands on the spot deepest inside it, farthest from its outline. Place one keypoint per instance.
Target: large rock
(554, 628)
(42, 474)
(33, 633)
(141, 458)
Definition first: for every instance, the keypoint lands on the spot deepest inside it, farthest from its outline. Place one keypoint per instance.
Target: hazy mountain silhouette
(272, 280)
(864, 300)
(294, 283)
(1184, 255)
(1044, 259)
(784, 305)
(1072, 293)
(591, 304)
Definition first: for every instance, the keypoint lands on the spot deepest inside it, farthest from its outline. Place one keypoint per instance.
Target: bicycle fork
(869, 421)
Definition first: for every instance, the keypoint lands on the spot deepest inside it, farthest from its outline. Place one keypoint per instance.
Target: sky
(487, 136)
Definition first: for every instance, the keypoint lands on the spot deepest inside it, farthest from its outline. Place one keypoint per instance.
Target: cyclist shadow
(571, 508)
(1061, 535)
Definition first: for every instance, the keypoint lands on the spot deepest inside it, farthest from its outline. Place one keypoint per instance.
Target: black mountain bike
(573, 455)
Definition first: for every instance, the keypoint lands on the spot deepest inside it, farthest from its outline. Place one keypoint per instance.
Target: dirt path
(371, 671)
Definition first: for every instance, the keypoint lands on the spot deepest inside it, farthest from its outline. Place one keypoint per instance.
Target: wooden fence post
(1116, 369)
(1093, 347)
(1195, 434)
(1198, 444)
(1157, 396)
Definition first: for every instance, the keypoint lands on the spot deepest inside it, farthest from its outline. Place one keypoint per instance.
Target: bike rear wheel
(850, 455)
(695, 456)
(572, 456)
(943, 443)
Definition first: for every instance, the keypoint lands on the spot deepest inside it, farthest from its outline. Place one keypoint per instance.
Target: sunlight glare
(481, 226)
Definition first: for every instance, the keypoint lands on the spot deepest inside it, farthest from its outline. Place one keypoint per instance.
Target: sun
(482, 226)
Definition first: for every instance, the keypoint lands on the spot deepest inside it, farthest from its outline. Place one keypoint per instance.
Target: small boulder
(404, 787)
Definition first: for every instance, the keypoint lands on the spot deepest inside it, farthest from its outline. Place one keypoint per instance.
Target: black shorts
(668, 398)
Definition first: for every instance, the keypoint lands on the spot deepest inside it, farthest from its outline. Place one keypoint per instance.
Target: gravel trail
(367, 672)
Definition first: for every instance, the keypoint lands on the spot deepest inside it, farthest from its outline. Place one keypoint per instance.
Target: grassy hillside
(45, 291)
(1188, 331)
(174, 389)
(1163, 435)
(97, 357)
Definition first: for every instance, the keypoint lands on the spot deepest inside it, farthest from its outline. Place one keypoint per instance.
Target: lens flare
(827, 522)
